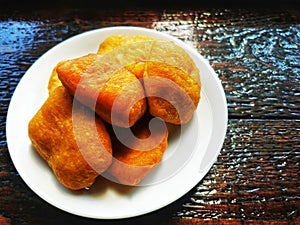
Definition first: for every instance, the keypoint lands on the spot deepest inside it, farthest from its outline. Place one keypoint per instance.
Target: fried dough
(145, 59)
(54, 81)
(135, 156)
(104, 85)
(73, 142)
(115, 41)
(175, 96)
(130, 80)
(107, 45)
(172, 94)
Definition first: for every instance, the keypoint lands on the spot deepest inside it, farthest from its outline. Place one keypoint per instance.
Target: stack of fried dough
(96, 117)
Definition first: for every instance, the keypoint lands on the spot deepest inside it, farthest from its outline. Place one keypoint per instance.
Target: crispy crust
(135, 158)
(116, 41)
(172, 94)
(54, 81)
(75, 153)
(117, 96)
(170, 77)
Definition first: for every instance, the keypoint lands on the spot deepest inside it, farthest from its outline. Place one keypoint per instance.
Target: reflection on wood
(256, 55)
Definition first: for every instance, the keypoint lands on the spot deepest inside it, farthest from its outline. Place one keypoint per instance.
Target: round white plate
(191, 152)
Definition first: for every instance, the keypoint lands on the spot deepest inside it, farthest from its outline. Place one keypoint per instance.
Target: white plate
(198, 143)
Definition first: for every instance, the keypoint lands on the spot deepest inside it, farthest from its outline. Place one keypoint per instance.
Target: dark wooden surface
(255, 52)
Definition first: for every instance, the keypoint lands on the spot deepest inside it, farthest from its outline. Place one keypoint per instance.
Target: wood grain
(255, 176)
(256, 54)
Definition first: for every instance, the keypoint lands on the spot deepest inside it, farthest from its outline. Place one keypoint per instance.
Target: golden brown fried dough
(135, 156)
(172, 94)
(71, 140)
(115, 84)
(54, 81)
(115, 41)
(170, 77)
(105, 86)
(145, 59)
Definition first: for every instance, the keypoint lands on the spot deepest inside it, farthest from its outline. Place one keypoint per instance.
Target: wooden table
(256, 54)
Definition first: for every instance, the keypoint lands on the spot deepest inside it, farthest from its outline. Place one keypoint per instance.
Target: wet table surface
(256, 54)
